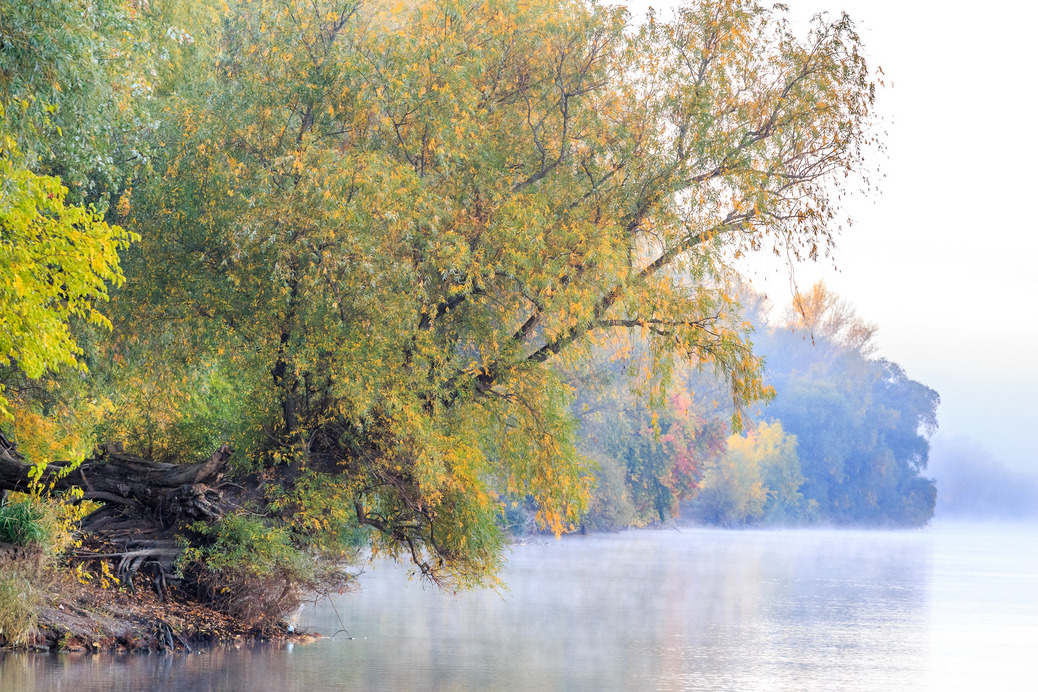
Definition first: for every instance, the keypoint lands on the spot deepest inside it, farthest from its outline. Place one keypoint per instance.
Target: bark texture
(144, 504)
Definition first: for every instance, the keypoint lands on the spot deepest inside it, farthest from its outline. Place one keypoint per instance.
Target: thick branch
(608, 300)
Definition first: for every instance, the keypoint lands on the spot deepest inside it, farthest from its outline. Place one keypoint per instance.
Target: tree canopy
(65, 91)
(57, 262)
(370, 235)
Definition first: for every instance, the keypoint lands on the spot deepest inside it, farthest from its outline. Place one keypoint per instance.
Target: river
(949, 607)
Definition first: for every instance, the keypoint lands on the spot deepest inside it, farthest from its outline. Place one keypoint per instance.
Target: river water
(950, 607)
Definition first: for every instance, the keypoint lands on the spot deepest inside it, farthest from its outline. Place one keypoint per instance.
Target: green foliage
(372, 236)
(75, 80)
(732, 492)
(844, 441)
(243, 543)
(56, 263)
(611, 508)
(650, 460)
(757, 480)
(248, 567)
(23, 523)
(322, 518)
(71, 129)
(781, 475)
(165, 412)
(38, 528)
(29, 520)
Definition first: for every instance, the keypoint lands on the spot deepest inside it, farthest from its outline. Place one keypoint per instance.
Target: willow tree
(386, 226)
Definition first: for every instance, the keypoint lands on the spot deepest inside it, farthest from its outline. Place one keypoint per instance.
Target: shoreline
(76, 617)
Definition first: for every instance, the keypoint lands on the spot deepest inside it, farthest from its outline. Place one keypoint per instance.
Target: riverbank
(117, 619)
(94, 614)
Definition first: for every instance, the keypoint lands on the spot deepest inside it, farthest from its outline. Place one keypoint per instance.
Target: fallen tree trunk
(113, 476)
(144, 504)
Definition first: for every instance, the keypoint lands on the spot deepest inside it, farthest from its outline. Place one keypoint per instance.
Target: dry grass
(25, 577)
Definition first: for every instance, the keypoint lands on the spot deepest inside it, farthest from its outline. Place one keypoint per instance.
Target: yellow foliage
(397, 220)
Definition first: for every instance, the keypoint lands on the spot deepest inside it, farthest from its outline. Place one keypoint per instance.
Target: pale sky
(941, 260)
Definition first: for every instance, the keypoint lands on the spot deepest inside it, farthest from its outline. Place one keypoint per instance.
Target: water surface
(948, 607)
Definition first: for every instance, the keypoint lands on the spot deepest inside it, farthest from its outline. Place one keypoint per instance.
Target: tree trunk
(144, 504)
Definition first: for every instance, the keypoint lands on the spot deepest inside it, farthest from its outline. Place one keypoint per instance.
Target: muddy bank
(115, 619)
(86, 617)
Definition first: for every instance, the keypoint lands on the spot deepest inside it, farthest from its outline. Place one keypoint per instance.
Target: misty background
(940, 258)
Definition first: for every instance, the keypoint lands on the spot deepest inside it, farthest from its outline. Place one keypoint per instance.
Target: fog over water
(973, 484)
(953, 606)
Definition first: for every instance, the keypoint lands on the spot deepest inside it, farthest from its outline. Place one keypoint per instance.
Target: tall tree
(386, 226)
(662, 455)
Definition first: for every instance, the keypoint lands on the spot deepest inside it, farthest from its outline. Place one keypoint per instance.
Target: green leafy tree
(396, 218)
(389, 227)
(75, 82)
(732, 491)
(71, 86)
(781, 475)
(757, 479)
(661, 454)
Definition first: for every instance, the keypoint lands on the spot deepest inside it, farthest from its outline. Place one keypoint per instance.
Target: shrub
(247, 568)
(39, 530)
(50, 524)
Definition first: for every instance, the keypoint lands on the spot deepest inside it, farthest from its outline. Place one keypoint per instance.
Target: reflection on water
(700, 609)
(948, 608)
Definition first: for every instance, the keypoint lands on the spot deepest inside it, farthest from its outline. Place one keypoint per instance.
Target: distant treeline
(844, 441)
(971, 484)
